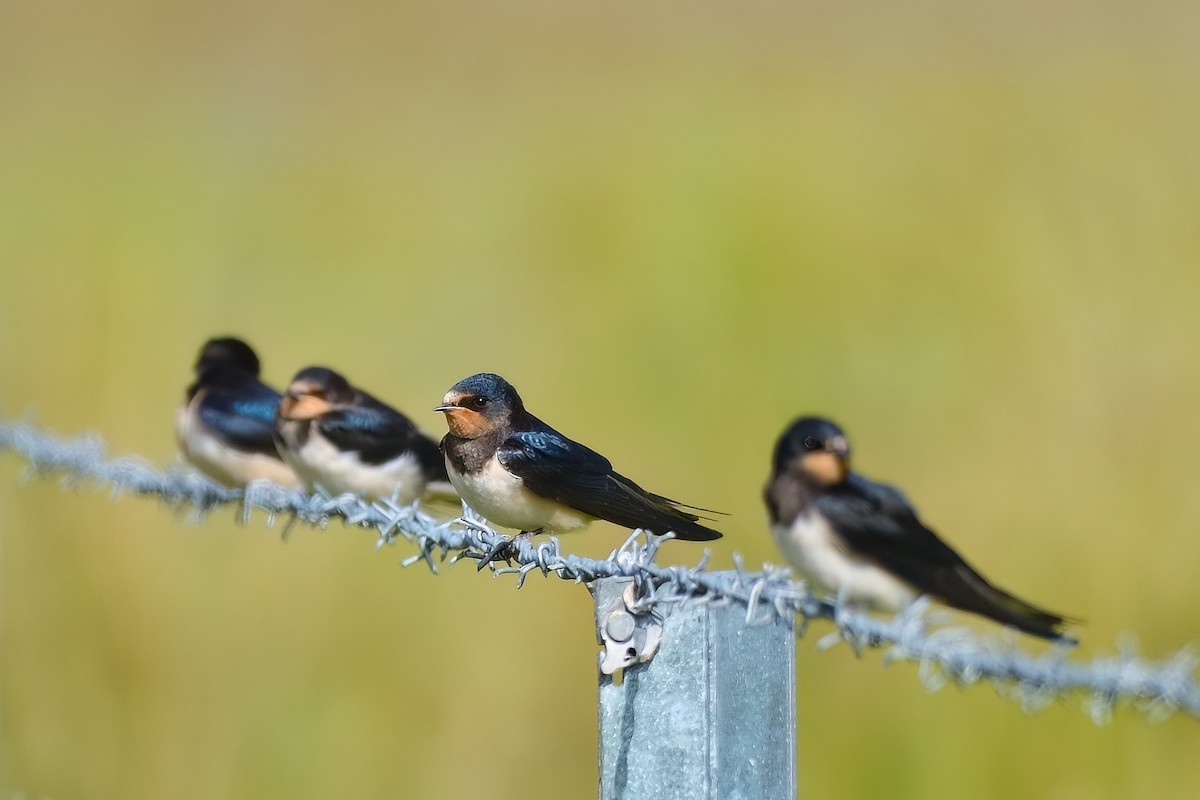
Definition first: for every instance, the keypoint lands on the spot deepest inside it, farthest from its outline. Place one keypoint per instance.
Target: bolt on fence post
(711, 715)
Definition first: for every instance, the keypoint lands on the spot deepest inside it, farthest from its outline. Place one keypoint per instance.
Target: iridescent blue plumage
(242, 413)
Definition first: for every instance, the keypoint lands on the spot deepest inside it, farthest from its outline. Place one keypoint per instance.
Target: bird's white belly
(502, 499)
(812, 547)
(322, 464)
(226, 464)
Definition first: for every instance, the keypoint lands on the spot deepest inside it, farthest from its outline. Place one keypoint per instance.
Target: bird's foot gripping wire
(505, 550)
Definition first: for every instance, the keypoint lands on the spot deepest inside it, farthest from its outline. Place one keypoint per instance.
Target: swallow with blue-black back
(226, 425)
(865, 542)
(518, 472)
(341, 439)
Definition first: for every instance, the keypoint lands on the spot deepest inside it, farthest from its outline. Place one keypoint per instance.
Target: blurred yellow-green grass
(969, 233)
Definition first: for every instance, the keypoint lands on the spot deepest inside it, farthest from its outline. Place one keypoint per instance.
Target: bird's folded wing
(559, 469)
(555, 467)
(243, 419)
(376, 434)
(875, 522)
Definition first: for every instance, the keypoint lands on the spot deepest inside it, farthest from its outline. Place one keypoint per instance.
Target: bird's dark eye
(810, 443)
(479, 403)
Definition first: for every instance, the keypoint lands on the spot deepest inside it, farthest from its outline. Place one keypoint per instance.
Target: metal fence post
(711, 715)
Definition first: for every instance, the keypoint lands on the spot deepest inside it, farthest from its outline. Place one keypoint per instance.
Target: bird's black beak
(447, 408)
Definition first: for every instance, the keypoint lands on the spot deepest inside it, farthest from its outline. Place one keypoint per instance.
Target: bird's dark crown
(810, 435)
(486, 393)
(227, 353)
(322, 382)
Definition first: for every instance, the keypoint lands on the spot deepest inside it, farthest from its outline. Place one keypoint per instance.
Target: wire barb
(943, 655)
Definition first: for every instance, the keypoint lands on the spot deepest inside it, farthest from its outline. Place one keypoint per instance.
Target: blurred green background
(969, 233)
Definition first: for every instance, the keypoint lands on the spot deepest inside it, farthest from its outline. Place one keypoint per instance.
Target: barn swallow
(864, 540)
(520, 473)
(344, 440)
(226, 424)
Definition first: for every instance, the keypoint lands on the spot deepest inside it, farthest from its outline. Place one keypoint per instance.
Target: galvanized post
(712, 714)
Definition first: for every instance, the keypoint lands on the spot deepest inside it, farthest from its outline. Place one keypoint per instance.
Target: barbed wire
(944, 655)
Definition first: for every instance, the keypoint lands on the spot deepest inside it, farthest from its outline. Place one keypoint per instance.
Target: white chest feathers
(817, 553)
(501, 498)
(319, 463)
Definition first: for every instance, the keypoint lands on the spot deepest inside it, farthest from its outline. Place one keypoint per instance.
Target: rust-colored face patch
(302, 407)
(825, 467)
(465, 423)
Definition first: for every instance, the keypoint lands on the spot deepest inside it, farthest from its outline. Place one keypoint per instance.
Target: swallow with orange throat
(340, 439)
(518, 472)
(225, 427)
(864, 541)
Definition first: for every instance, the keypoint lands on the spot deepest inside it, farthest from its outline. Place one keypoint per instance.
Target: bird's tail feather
(682, 524)
(992, 601)
(691, 531)
(678, 506)
(656, 513)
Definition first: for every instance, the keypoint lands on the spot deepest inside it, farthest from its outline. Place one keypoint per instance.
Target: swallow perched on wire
(864, 541)
(226, 424)
(520, 473)
(342, 439)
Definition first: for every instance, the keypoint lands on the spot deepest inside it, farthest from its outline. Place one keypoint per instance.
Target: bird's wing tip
(701, 535)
